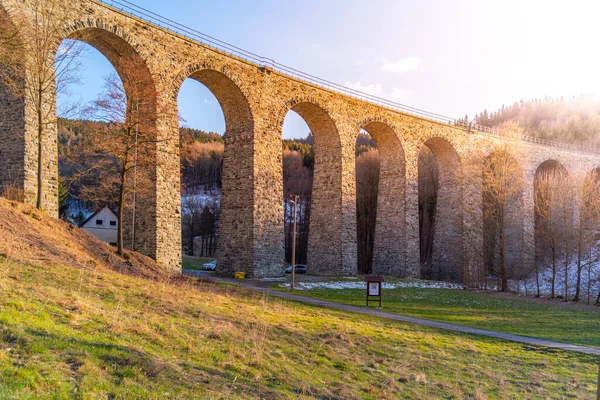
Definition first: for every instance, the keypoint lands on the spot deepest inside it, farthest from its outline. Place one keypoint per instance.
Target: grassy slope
(554, 320)
(67, 332)
(78, 322)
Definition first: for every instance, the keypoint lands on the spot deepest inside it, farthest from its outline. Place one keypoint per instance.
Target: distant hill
(575, 120)
(201, 158)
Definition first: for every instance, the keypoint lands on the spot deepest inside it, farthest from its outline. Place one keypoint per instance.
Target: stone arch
(446, 261)
(550, 163)
(231, 95)
(325, 232)
(235, 245)
(130, 64)
(389, 249)
(553, 206)
(127, 55)
(111, 34)
(502, 210)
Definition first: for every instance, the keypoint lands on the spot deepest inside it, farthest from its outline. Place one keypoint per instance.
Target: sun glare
(546, 47)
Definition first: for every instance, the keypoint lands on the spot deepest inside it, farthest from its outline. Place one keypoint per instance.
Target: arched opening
(325, 230)
(107, 156)
(202, 128)
(385, 173)
(367, 184)
(75, 131)
(502, 197)
(298, 168)
(440, 212)
(233, 220)
(553, 205)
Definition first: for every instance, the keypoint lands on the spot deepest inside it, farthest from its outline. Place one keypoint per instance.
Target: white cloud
(376, 89)
(399, 93)
(402, 65)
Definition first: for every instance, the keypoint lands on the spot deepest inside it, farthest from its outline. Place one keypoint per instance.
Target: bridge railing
(192, 34)
(517, 136)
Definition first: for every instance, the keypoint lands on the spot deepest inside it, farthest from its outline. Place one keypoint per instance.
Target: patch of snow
(203, 196)
(339, 285)
(529, 285)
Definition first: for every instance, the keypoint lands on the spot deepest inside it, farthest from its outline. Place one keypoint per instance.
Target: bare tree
(554, 228)
(36, 66)
(589, 220)
(126, 145)
(493, 241)
(502, 189)
(191, 213)
(545, 232)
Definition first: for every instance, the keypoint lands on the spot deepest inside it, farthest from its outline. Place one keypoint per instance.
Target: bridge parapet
(255, 94)
(270, 64)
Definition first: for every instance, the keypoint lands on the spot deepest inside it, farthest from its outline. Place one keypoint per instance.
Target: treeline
(201, 159)
(575, 120)
(201, 182)
(298, 169)
(201, 153)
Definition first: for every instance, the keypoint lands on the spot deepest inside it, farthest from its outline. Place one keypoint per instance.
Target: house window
(113, 223)
(98, 222)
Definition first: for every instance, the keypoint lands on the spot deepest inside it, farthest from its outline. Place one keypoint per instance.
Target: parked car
(211, 266)
(300, 269)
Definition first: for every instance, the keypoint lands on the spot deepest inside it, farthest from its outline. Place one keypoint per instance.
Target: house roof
(96, 213)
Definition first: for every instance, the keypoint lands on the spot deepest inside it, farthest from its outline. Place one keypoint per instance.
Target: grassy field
(93, 333)
(553, 320)
(194, 263)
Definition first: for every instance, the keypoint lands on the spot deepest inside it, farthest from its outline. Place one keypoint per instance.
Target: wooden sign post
(374, 288)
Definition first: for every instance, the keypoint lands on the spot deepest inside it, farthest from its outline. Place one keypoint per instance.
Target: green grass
(552, 320)
(194, 263)
(68, 333)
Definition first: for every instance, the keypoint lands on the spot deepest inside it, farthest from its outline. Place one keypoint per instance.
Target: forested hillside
(201, 178)
(575, 120)
(201, 181)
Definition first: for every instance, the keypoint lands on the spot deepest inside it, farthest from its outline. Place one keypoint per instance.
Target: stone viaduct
(255, 100)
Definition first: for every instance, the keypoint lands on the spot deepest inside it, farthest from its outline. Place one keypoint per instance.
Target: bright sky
(449, 57)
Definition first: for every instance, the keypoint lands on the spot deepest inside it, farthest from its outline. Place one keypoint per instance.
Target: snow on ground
(524, 287)
(203, 196)
(363, 285)
(591, 276)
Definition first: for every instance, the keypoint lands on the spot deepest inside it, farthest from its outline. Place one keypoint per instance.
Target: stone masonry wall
(255, 101)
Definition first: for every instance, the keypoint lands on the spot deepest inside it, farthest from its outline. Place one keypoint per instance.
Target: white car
(211, 266)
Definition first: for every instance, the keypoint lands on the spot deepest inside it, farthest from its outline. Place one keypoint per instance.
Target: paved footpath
(258, 286)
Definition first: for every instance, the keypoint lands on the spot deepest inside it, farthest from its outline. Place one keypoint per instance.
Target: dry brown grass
(30, 235)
